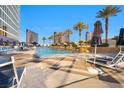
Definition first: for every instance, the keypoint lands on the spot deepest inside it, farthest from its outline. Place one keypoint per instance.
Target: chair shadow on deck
(107, 79)
(75, 82)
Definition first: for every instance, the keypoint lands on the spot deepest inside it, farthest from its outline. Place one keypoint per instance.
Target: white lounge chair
(108, 61)
(10, 76)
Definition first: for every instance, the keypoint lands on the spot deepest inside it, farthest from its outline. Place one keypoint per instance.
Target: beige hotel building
(9, 22)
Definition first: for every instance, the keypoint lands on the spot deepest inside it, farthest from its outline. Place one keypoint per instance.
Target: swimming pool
(45, 52)
(4, 49)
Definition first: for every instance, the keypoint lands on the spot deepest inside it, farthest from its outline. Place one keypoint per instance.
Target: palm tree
(51, 38)
(44, 39)
(68, 32)
(106, 13)
(80, 26)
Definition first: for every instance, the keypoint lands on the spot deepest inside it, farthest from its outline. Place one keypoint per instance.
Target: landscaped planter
(105, 49)
(84, 49)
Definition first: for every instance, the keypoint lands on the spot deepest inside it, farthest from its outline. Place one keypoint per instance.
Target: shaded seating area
(10, 76)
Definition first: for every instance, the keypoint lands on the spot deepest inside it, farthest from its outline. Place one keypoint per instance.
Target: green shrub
(105, 45)
(74, 44)
(81, 42)
(88, 42)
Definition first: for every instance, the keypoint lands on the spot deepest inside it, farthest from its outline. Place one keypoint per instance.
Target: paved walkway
(68, 72)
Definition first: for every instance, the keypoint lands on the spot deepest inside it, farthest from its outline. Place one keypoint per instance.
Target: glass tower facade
(31, 37)
(9, 22)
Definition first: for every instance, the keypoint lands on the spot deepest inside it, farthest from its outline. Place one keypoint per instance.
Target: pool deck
(64, 71)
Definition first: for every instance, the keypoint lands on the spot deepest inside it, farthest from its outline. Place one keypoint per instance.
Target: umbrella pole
(120, 48)
(95, 55)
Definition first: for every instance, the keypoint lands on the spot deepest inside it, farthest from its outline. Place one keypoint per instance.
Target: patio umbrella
(95, 55)
(120, 41)
(96, 39)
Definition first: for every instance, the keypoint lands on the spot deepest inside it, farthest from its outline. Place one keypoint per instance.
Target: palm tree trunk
(43, 42)
(60, 40)
(106, 27)
(54, 40)
(54, 37)
(49, 41)
(80, 35)
(68, 38)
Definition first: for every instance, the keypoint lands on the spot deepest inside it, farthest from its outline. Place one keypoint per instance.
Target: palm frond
(108, 11)
(80, 26)
(68, 31)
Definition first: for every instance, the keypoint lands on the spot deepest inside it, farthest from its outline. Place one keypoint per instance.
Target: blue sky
(44, 20)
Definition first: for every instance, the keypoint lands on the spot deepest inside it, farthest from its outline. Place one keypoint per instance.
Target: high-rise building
(88, 36)
(31, 37)
(65, 39)
(59, 39)
(9, 23)
(55, 37)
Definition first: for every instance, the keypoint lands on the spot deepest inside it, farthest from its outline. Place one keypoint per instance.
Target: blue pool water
(3, 49)
(44, 52)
